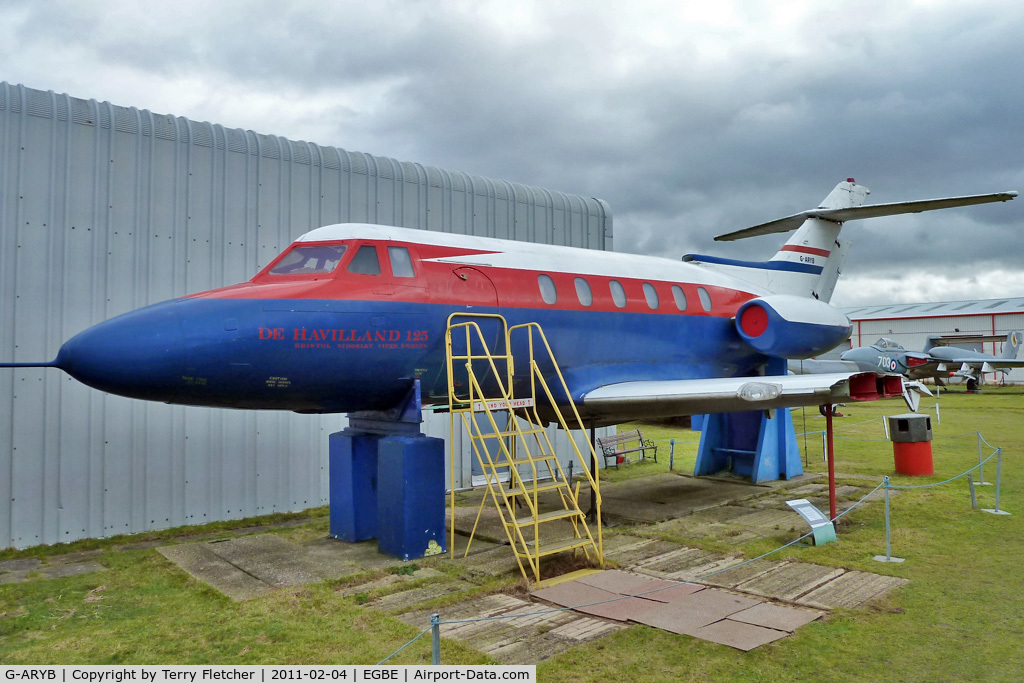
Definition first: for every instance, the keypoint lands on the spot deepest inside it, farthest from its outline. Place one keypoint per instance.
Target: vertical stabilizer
(1012, 345)
(814, 255)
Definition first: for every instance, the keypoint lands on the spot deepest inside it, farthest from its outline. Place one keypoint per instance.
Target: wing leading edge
(670, 398)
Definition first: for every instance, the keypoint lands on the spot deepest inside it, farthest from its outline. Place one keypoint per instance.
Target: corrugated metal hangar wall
(104, 209)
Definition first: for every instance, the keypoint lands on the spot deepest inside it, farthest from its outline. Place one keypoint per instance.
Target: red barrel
(911, 435)
(913, 459)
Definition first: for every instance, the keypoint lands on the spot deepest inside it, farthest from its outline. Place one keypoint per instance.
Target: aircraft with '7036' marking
(350, 315)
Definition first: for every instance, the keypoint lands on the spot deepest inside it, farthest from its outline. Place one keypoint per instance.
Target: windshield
(321, 259)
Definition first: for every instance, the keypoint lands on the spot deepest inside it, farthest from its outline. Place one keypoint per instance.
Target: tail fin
(1012, 345)
(810, 261)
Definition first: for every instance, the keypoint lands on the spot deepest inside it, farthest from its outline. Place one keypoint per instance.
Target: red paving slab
(673, 594)
(582, 597)
(738, 634)
(628, 583)
(776, 617)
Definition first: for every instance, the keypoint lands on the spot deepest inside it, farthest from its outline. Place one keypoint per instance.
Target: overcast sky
(691, 119)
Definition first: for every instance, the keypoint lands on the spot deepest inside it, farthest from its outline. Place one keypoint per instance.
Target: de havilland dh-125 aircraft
(943, 359)
(350, 315)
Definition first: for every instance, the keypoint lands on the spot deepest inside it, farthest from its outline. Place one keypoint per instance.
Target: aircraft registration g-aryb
(349, 315)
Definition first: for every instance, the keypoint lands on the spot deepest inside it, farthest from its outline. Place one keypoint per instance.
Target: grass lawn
(961, 617)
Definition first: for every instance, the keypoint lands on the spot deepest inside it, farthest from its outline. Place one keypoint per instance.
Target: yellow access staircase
(516, 454)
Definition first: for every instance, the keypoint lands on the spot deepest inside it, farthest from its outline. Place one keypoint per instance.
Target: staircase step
(508, 433)
(554, 547)
(549, 517)
(519, 461)
(529, 489)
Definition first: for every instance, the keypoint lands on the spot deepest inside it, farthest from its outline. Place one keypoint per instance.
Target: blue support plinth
(750, 444)
(353, 485)
(410, 509)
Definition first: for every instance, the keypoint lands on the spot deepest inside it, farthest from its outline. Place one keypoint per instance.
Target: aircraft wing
(671, 398)
(790, 223)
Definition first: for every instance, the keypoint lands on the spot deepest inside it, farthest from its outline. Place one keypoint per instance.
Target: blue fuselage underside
(329, 355)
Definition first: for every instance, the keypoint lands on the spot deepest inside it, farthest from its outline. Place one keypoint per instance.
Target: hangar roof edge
(936, 309)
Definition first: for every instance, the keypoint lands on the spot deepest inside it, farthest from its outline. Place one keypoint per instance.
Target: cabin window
(365, 262)
(705, 298)
(547, 289)
(401, 262)
(651, 295)
(680, 297)
(583, 292)
(618, 293)
(320, 259)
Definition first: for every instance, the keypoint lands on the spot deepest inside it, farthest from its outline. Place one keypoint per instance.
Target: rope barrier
(940, 483)
(404, 646)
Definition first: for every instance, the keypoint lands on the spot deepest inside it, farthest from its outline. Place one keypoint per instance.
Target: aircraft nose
(138, 354)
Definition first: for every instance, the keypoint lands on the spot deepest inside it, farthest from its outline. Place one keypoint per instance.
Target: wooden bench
(618, 445)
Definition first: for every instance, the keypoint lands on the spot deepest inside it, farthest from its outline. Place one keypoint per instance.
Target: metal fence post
(999, 477)
(888, 545)
(974, 498)
(671, 454)
(435, 633)
(981, 467)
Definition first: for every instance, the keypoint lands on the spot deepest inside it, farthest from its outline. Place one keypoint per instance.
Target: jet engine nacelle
(791, 326)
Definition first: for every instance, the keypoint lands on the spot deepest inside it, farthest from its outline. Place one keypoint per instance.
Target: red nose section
(754, 321)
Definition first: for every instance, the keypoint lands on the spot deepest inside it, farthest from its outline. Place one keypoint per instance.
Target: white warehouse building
(910, 325)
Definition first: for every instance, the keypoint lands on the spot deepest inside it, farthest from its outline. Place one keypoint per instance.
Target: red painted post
(831, 465)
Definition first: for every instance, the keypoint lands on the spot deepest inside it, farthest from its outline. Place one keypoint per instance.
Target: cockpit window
(365, 261)
(322, 259)
(401, 262)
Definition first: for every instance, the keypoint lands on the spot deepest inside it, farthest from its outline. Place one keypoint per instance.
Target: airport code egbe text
(121, 675)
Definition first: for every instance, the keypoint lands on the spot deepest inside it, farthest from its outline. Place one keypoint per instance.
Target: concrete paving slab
(27, 564)
(57, 571)
(267, 557)
(665, 496)
(13, 577)
(731, 578)
(851, 590)
(497, 561)
(629, 550)
(771, 520)
(390, 580)
(536, 634)
(739, 635)
(330, 558)
(789, 580)
(203, 564)
(363, 555)
(686, 564)
(779, 617)
(408, 599)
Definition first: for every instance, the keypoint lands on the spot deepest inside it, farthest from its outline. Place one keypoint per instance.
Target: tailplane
(810, 262)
